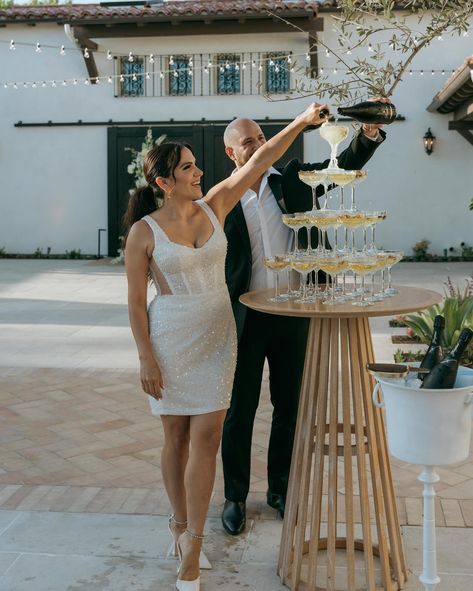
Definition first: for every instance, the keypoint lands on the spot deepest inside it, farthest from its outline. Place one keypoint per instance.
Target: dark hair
(162, 161)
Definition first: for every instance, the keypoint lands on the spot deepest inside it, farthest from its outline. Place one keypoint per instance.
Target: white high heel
(204, 563)
(188, 585)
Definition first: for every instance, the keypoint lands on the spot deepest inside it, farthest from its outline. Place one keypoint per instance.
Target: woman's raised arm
(226, 194)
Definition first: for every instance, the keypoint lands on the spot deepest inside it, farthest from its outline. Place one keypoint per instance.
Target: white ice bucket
(428, 427)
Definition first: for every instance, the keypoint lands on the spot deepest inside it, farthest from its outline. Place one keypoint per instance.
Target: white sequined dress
(191, 323)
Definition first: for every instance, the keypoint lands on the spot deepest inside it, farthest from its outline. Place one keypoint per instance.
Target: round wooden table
(340, 472)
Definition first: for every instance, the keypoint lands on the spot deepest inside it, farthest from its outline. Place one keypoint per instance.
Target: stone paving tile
(89, 441)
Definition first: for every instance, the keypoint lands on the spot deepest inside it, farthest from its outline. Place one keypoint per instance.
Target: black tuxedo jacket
(292, 195)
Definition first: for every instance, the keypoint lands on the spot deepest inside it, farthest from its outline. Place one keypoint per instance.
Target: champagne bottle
(434, 353)
(370, 112)
(443, 375)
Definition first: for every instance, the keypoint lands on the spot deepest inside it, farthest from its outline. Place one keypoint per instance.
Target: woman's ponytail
(143, 201)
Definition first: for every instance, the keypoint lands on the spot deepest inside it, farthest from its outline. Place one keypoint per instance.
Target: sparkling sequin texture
(191, 323)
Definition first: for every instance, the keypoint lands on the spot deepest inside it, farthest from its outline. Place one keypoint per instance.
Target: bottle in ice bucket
(443, 375)
(370, 112)
(434, 353)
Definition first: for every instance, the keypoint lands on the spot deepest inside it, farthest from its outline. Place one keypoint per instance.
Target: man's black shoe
(234, 517)
(277, 502)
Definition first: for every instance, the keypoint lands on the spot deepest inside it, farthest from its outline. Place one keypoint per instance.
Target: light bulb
(161, 75)
(289, 60)
(63, 50)
(12, 45)
(86, 82)
(15, 86)
(110, 80)
(253, 64)
(43, 84)
(243, 66)
(171, 60)
(25, 85)
(64, 83)
(176, 75)
(109, 54)
(33, 85)
(271, 62)
(130, 57)
(122, 78)
(5, 85)
(276, 69)
(38, 48)
(53, 84)
(206, 70)
(422, 72)
(151, 58)
(86, 53)
(134, 78)
(222, 69)
(147, 76)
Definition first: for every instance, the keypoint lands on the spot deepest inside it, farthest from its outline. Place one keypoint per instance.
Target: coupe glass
(295, 222)
(393, 257)
(332, 263)
(304, 264)
(277, 264)
(314, 178)
(359, 177)
(334, 135)
(362, 264)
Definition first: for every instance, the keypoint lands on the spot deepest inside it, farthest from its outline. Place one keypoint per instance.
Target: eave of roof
(456, 91)
(168, 11)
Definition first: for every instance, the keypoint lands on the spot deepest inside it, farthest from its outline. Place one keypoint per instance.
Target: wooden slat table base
(340, 436)
(336, 402)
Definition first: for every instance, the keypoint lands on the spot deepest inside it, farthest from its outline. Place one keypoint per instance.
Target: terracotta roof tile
(188, 10)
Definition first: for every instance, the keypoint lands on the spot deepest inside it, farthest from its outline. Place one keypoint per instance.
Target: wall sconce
(429, 141)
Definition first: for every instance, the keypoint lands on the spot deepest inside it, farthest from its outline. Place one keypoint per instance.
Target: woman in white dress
(186, 339)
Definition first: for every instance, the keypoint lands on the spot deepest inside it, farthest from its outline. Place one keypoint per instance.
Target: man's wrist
(370, 132)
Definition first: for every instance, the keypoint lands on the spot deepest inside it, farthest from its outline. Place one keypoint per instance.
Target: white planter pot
(428, 427)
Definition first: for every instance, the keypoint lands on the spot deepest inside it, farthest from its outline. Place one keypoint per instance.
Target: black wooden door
(206, 140)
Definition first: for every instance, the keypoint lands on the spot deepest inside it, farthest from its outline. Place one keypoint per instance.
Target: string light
(189, 69)
(53, 84)
(15, 86)
(5, 85)
(86, 82)
(327, 54)
(43, 84)
(370, 48)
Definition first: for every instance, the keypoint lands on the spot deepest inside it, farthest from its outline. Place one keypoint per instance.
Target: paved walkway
(79, 451)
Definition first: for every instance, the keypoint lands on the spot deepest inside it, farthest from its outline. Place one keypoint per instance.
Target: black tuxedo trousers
(282, 341)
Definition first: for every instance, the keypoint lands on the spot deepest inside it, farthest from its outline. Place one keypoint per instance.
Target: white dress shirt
(268, 235)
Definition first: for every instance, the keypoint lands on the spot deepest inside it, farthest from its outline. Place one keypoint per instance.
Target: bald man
(254, 230)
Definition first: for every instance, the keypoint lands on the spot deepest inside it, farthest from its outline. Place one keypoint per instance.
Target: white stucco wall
(54, 180)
